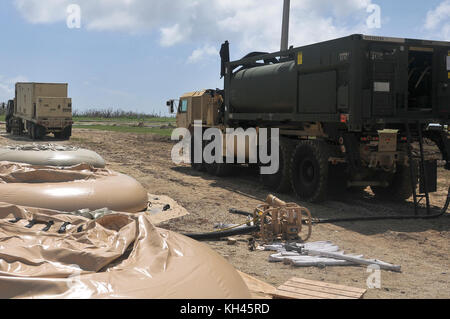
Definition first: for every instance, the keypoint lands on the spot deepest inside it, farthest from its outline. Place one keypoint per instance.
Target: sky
(134, 55)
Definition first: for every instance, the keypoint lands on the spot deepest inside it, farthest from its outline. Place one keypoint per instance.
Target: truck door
(389, 78)
(441, 70)
(182, 114)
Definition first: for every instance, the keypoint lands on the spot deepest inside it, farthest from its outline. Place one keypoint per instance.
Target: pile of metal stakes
(321, 254)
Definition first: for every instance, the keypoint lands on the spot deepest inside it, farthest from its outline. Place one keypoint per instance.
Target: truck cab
(201, 106)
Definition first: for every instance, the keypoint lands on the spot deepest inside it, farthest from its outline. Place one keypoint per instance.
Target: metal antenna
(285, 27)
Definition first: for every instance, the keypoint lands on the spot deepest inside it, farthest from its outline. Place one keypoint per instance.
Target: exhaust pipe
(285, 26)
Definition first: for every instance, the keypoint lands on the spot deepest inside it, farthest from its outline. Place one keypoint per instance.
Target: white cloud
(47, 11)
(201, 53)
(250, 25)
(7, 86)
(173, 35)
(438, 20)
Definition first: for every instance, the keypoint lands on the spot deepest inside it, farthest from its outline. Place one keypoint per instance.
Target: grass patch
(127, 129)
(125, 119)
(111, 114)
(2, 118)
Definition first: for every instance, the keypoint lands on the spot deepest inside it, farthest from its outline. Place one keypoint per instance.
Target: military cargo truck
(349, 112)
(40, 109)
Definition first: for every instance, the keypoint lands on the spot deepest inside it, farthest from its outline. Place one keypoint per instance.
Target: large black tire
(281, 181)
(31, 132)
(15, 126)
(40, 132)
(399, 188)
(309, 170)
(37, 132)
(65, 134)
(8, 124)
(16, 132)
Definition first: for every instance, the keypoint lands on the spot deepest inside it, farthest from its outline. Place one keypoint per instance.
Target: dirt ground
(421, 247)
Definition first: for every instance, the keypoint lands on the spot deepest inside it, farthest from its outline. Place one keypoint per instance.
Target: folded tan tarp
(70, 189)
(119, 255)
(163, 208)
(50, 155)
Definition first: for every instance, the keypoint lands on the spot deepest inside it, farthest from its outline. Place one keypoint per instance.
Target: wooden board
(297, 288)
(258, 289)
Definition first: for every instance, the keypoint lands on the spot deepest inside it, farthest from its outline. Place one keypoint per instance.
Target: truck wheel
(309, 171)
(280, 182)
(16, 131)
(40, 132)
(34, 132)
(31, 131)
(8, 124)
(16, 128)
(65, 134)
(37, 132)
(399, 188)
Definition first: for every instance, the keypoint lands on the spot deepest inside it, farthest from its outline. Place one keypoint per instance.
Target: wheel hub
(307, 171)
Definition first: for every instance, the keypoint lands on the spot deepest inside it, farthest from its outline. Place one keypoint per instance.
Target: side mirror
(170, 106)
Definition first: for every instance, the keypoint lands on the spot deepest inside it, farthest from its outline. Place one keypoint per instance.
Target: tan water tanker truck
(40, 109)
(348, 110)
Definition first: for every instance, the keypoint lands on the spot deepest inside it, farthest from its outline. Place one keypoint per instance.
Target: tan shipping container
(35, 101)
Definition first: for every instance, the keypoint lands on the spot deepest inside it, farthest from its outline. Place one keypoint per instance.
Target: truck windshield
(183, 106)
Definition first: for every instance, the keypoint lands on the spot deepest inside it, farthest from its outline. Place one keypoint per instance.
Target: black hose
(373, 218)
(255, 228)
(240, 212)
(222, 234)
(389, 217)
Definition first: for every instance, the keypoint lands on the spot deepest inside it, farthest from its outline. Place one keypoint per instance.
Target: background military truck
(349, 110)
(40, 109)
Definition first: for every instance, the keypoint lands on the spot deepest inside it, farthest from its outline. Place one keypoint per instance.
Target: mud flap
(431, 177)
(442, 140)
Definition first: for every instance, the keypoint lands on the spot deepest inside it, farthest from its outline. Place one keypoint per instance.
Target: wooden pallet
(297, 288)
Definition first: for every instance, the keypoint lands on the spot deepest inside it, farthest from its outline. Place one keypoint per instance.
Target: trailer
(348, 111)
(40, 109)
